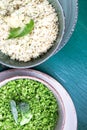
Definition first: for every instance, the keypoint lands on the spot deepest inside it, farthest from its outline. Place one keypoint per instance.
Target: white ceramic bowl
(68, 117)
(61, 110)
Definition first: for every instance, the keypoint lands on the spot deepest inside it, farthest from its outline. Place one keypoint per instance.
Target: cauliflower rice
(17, 13)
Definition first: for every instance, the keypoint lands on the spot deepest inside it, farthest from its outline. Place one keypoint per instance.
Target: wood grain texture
(69, 66)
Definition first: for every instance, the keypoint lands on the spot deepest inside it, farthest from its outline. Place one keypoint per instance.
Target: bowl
(5, 60)
(71, 17)
(66, 107)
(61, 109)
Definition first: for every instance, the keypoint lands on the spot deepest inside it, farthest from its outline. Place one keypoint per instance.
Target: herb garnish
(14, 110)
(26, 115)
(25, 112)
(21, 31)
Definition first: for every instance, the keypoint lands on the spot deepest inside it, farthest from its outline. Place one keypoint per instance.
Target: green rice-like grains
(42, 102)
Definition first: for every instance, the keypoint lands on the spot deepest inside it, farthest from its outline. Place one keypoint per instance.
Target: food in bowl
(27, 104)
(28, 28)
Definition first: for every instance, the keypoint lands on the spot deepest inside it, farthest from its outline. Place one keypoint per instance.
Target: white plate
(70, 117)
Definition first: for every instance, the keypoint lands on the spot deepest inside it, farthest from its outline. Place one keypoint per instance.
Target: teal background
(69, 66)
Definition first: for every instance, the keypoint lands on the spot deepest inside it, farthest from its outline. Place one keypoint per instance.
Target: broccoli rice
(43, 110)
(16, 14)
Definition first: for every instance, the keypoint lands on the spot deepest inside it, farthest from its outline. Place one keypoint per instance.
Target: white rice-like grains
(42, 37)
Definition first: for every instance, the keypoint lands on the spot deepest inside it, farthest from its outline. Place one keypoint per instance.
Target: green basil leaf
(26, 115)
(21, 31)
(14, 110)
(24, 107)
(26, 119)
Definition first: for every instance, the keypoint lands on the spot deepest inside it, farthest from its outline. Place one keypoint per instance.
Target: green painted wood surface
(69, 66)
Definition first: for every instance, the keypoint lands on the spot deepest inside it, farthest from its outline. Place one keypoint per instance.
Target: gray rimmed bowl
(5, 60)
(61, 110)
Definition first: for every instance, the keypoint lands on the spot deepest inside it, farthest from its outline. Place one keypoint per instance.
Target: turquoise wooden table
(69, 66)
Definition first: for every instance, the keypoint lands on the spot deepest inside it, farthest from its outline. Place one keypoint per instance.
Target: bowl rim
(72, 30)
(49, 86)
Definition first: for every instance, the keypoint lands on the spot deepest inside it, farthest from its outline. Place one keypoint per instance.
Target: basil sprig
(25, 112)
(14, 110)
(21, 31)
(26, 115)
